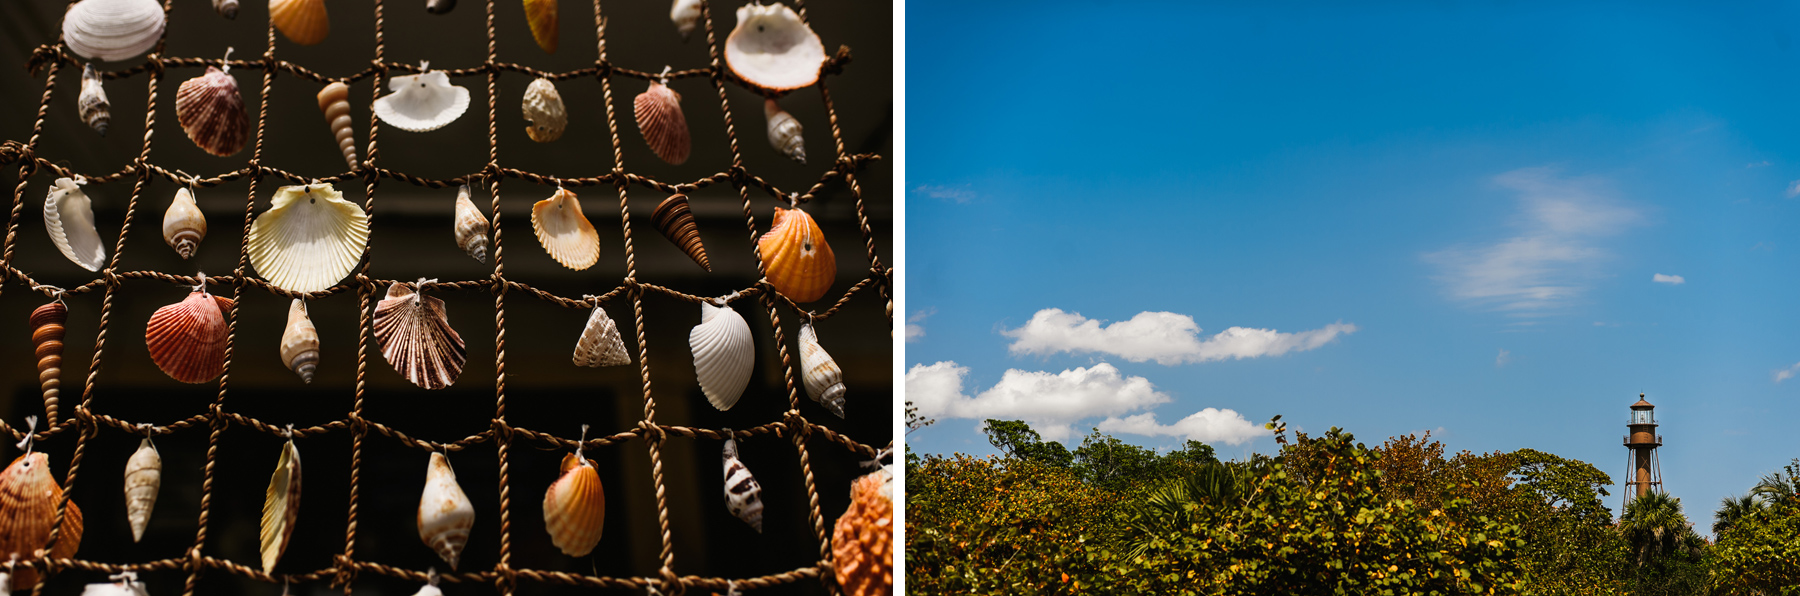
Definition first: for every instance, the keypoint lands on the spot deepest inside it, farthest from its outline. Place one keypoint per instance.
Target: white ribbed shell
(724, 354)
(422, 102)
(600, 343)
(772, 48)
(113, 30)
(69, 217)
(309, 239)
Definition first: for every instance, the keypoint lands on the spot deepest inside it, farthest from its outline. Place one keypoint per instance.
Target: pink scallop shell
(187, 339)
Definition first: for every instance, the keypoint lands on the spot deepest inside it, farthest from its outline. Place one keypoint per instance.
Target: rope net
(84, 424)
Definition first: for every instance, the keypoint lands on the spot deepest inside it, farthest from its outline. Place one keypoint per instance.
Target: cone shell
(824, 381)
(659, 118)
(796, 258)
(445, 514)
(545, 117)
(862, 542)
(226, 8)
(212, 112)
(686, 16)
(541, 15)
(334, 101)
(187, 339)
(565, 232)
(784, 132)
(471, 226)
(47, 337)
(309, 239)
(724, 354)
(143, 478)
(281, 505)
(676, 222)
(772, 48)
(92, 104)
(743, 496)
(600, 344)
(69, 217)
(28, 501)
(183, 225)
(303, 21)
(422, 102)
(300, 342)
(113, 30)
(440, 7)
(415, 335)
(575, 507)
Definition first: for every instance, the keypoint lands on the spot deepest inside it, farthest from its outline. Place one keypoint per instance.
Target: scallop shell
(334, 101)
(724, 354)
(575, 507)
(445, 514)
(124, 584)
(600, 344)
(212, 112)
(226, 8)
(69, 216)
(541, 16)
(113, 30)
(415, 335)
(440, 7)
(47, 335)
(303, 21)
(564, 231)
(92, 104)
(659, 118)
(676, 222)
(784, 132)
(28, 500)
(824, 381)
(281, 505)
(545, 117)
(796, 258)
(187, 339)
(743, 496)
(686, 15)
(143, 477)
(183, 225)
(471, 226)
(300, 342)
(309, 239)
(862, 540)
(771, 48)
(422, 102)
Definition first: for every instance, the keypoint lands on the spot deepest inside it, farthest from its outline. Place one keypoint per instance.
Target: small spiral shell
(47, 335)
(143, 478)
(183, 225)
(784, 132)
(471, 226)
(226, 8)
(300, 342)
(334, 101)
(743, 496)
(92, 104)
(676, 222)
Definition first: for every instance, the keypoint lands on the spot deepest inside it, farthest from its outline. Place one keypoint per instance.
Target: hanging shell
(422, 102)
(445, 514)
(187, 339)
(824, 381)
(796, 258)
(69, 216)
(862, 541)
(303, 21)
(659, 118)
(334, 101)
(123, 584)
(724, 354)
(575, 507)
(784, 132)
(29, 496)
(211, 111)
(300, 342)
(471, 226)
(541, 16)
(600, 343)
(772, 48)
(184, 226)
(545, 117)
(743, 496)
(226, 8)
(113, 30)
(143, 478)
(564, 232)
(309, 239)
(430, 589)
(440, 7)
(92, 104)
(415, 335)
(281, 505)
(46, 336)
(686, 15)
(676, 222)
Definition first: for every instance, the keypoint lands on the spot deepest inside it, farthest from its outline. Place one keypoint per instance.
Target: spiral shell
(545, 117)
(564, 232)
(862, 540)
(743, 496)
(686, 15)
(281, 506)
(92, 104)
(600, 344)
(541, 16)
(796, 258)
(183, 225)
(303, 21)
(211, 112)
(143, 478)
(309, 238)
(334, 101)
(724, 354)
(440, 7)
(784, 132)
(824, 381)
(659, 118)
(471, 226)
(113, 30)
(676, 222)
(226, 8)
(445, 514)
(415, 336)
(187, 339)
(575, 507)
(28, 500)
(69, 217)
(300, 342)
(47, 335)
(772, 48)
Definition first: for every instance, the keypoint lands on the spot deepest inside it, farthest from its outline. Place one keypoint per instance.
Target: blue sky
(1467, 218)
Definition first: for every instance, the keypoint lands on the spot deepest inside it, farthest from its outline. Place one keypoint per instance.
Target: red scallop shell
(212, 112)
(659, 118)
(187, 339)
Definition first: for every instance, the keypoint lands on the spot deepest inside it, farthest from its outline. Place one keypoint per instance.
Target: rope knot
(651, 432)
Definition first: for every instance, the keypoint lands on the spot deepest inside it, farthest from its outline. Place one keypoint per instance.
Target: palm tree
(1777, 487)
(1733, 510)
(1174, 506)
(1656, 528)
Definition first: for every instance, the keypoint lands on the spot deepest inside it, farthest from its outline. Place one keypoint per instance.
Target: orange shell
(541, 16)
(303, 21)
(187, 339)
(211, 111)
(862, 542)
(47, 335)
(659, 117)
(798, 261)
(28, 499)
(575, 507)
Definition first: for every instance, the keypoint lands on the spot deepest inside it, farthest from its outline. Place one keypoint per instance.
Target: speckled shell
(113, 30)
(541, 16)
(784, 132)
(545, 117)
(686, 16)
(772, 48)
(226, 8)
(212, 112)
(564, 232)
(334, 101)
(143, 478)
(471, 226)
(415, 335)
(676, 222)
(824, 381)
(575, 507)
(187, 339)
(300, 342)
(445, 514)
(743, 496)
(862, 541)
(439, 7)
(309, 239)
(92, 104)
(600, 343)
(69, 217)
(798, 261)
(724, 354)
(422, 102)
(281, 506)
(659, 119)
(183, 225)
(303, 21)
(47, 338)
(28, 500)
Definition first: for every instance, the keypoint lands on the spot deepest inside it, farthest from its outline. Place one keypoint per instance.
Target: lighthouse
(1642, 470)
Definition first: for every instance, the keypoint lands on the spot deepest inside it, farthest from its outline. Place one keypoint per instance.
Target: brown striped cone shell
(545, 117)
(600, 343)
(92, 104)
(796, 258)
(862, 541)
(334, 102)
(303, 21)
(143, 478)
(659, 118)
(541, 16)
(440, 7)
(676, 222)
(445, 514)
(575, 507)
(784, 132)
(113, 30)
(773, 49)
(564, 232)
(47, 337)
(28, 500)
(226, 8)
(183, 225)
(300, 342)
(415, 336)
(421, 102)
(824, 381)
(187, 339)
(686, 16)
(69, 217)
(309, 239)
(211, 111)
(471, 226)
(724, 354)
(281, 506)
(743, 496)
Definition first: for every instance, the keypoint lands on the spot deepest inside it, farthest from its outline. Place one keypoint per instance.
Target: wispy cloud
(1756, 164)
(1783, 374)
(915, 330)
(1793, 189)
(959, 194)
(1673, 280)
(1503, 358)
(1165, 337)
(1050, 402)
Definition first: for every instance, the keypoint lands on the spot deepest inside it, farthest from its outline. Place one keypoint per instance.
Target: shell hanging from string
(824, 381)
(211, 111)
(600, 343)
(575, 505)
(440, 7)
(309, 239)
(28, 501)
(541, 16)
(676, 222)
(784, 132)
(123, 584)
(69, 217)
(795, 256)
(183, 225)
(545, 117)
(303, 21)
(471, 226)
(724, 354)
(143, 479)
(281, 505)
(431, 584)
(686, 16)
(414, 333)
(743, 496)
(300, 342)
(187, 340)
(92, 105)
(422, 102)
(564, 231)
(445, 514)
(334, 101)
(659, 118)
(226, 8)
(113, 30)
(773, 49)
(862, 540)
(47, 339)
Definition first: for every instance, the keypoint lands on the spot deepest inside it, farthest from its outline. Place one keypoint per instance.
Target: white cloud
(914, 330)
(1211, 425)
(1793, 189)
(1503, 358)
(1166, 337)
(959, 194)
(1783, 374)
(1050, 402)
(1756, 164)
(1673, 280)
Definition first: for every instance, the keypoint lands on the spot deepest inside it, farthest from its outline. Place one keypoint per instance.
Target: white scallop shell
(124, 584)
(564, 232)
(772, 48)
(724, 354)
(143, 478)
(309, 239)
(113, 30)
(69, 216)
(445, 513)
(544, 113)
(784, 132)
(686, 15)
(824, 381)
(183, 225)
(422, 102)
(600, 343)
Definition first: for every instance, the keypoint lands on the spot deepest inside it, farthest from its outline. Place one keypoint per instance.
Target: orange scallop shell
(659, 117)
(575, 507)
(187, 339)
(211, 111)
(303, 21)
(798, 261)
(28, 499)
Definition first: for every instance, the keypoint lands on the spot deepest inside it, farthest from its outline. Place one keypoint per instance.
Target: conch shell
(600, 344)
(784, 132)
(422, 102)
(545, 117)
(445, 513)
(743, 496)
(212, 112)
(575, 507)
(686, 15)
(187, 339)
(415, 335)
(334, 101)
(226, 8)
(862, 541)
(676, 222)
(92, 104)
(824, 381)
(300, 342)
(795, 256)
(303, 21)
(564, 231)
(69, 216)
(113, 30)
(29, 497)
(659, 117)
(281, 505)
(309, 238)
(143, 478)
(183, 225)
(541, 16)
(771, 48)
(724, 354)
(471, 226)
(47, 335)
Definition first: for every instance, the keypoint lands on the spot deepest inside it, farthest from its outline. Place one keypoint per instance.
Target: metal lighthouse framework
(1641, 467)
